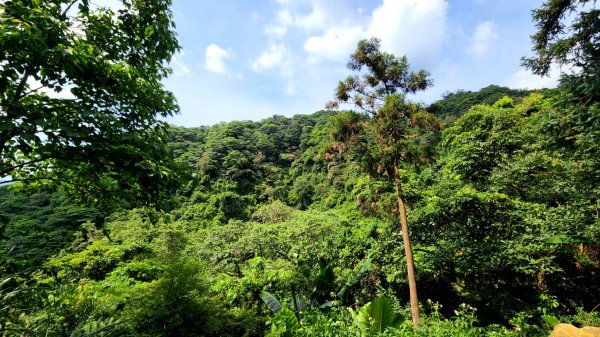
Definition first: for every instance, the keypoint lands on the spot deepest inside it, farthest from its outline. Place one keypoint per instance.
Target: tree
(399, 132)
(387, 75)
(569, 34)
(103, 139)
(575, 45)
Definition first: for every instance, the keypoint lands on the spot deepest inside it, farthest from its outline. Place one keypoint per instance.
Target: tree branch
(69, 7)
(12, 181)
(8, 170)
(20, 87)
(38, 88)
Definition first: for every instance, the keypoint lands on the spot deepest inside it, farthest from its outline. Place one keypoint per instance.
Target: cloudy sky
(251, 59)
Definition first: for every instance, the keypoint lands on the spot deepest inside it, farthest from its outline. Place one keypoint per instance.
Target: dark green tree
(398, 133)
(569, 34)
(103, 140)
(386, 74)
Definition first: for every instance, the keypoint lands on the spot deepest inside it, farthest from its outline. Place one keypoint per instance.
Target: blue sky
(251, 59)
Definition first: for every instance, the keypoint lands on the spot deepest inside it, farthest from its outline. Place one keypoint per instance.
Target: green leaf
(271, 301)
(329, 304)
(286, 323)
(566, 238)
(84, 7)
(148, 31)
(550, 320)
(376, 316)
(362, 268)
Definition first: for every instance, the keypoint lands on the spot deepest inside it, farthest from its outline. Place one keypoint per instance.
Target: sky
(252, 59)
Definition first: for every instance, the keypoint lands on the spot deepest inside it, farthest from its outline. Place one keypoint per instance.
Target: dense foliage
(81, 97)
(290, 226)
(505, 221)
(455, 104)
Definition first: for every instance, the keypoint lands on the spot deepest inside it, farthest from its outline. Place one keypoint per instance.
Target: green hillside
(477, 215)
(504, 222)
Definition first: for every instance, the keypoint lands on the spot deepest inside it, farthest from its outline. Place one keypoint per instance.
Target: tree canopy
(505, 221)
(385, 74)
(81, 97)
(569, 35)
(292, 228)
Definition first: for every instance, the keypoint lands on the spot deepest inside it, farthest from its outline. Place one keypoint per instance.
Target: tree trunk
(410, 265)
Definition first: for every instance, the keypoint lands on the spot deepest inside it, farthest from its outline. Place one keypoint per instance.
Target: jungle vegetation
(486, 204)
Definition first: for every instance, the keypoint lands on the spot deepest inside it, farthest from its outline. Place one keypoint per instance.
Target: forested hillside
(504, 225)
(455, 104)
(476, 215)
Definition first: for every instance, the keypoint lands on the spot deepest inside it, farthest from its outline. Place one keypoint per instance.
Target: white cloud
(317, 19)
(179, 67)
(278, 27)
(334, 44)
(271, 58)
(276, 31)
(215, 57)
(329, 31)
(523, 79)
(294, 14)
(481, 42)
(415, 28)
(277, 56)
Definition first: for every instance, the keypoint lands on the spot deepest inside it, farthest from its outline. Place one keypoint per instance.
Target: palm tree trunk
(410, 265)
